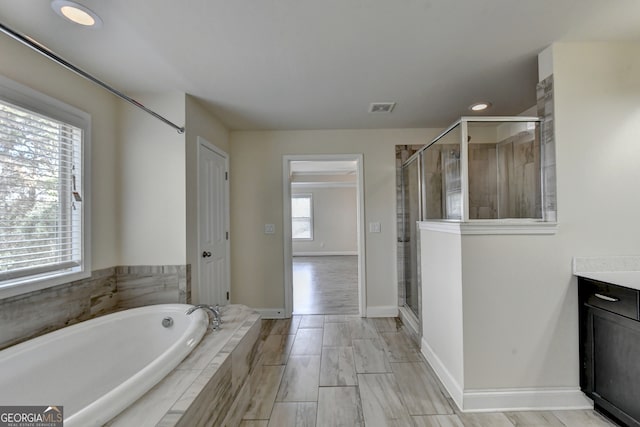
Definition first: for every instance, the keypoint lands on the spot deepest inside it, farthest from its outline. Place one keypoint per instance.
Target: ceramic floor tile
(491, 419)
(339, 318)
(307, 342)
(437, 421)
(381, 402)
(264, 395)
(419, 390)
(285, 326)
(300, 380)
(293, 414)
(254, 423)
(400, 348)
(276, 349)
(533, 419)
(311, 321)
(336, 335)
(337, 367)
(386, 324)
(582, 418)
(369, 356)
(362, 328)
(339, 406)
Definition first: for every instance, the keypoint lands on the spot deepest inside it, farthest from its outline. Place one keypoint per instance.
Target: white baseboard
(382, 311)
(525, 399)
(449, 382)
(330, 253)
(410, 321)
(271, 313)
(503, 400)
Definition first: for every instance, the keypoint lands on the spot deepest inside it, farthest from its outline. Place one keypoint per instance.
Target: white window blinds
(40, 194)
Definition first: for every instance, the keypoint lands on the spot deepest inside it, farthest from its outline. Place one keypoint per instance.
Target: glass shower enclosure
(410, 213)
(496, 169)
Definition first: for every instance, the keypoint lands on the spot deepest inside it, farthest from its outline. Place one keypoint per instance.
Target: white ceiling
(300, 64)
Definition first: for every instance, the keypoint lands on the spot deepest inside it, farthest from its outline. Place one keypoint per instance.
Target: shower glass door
(411, 214)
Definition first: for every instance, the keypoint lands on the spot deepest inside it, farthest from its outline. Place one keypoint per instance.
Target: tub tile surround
(36, 313)
(108, 290)
(146, 285)
(212, 386)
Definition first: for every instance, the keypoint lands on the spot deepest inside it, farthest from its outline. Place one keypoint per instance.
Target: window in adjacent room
(43, 203)
(302, 217)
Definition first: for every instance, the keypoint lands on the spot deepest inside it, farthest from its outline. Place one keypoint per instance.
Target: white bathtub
(97, 368)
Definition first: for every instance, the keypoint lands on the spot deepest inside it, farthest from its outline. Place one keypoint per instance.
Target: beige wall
(334, 221)
(520, 312)
(200, 123)
(256, 199)
(530, 338)
(142, 175)
(31, 69)
(442, 312)
(519, 295)
(151, 183)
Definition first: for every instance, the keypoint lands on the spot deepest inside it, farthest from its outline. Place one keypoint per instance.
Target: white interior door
(213, 269)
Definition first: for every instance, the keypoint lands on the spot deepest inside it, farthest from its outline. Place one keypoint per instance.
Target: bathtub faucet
(214, 314)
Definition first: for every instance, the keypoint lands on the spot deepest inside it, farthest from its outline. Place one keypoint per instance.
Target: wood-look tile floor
(342, 370)
(325, 285)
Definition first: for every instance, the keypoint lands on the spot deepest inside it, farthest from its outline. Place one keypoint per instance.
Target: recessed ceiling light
(76, 13)
(479, 106)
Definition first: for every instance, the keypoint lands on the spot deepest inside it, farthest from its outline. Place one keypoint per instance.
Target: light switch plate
(269, 229)
(374, 227)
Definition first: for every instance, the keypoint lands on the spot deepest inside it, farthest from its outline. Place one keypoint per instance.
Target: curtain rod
(33, 44)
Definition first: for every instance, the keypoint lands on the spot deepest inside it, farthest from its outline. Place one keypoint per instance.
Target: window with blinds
(41, 195)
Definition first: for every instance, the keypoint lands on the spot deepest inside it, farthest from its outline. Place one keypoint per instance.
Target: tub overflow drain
(167, 322)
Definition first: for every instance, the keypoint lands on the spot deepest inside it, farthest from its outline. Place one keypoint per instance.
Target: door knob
(206, 254)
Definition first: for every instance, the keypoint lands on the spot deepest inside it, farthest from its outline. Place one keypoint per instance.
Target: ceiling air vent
(381, 107)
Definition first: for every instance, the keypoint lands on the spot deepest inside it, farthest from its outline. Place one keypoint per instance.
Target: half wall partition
(480, 170)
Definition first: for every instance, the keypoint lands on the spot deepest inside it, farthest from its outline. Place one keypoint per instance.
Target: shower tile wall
(483, 185)
(545, 110)
(519, 162)
(36, 313)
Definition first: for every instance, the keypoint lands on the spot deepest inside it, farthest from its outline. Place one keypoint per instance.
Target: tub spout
(214, 314)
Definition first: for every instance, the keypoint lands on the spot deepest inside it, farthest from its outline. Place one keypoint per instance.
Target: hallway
(341, 370)
(325, 285)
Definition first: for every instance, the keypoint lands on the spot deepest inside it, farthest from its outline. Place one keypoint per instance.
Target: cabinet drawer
(613, 298)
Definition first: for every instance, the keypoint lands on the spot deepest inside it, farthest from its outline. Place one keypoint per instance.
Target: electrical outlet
(269, 229)
(374, 227)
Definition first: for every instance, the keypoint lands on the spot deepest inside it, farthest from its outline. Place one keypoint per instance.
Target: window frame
(303, 196)
(40, 103)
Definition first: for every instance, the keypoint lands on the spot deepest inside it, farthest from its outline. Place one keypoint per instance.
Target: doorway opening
(324, 235)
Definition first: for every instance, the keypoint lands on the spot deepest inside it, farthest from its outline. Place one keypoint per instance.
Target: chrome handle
(607, 298)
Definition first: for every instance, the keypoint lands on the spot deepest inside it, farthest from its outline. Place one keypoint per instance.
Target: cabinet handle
(607, 298)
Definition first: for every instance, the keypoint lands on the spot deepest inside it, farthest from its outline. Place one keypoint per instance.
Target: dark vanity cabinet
(610, 349)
